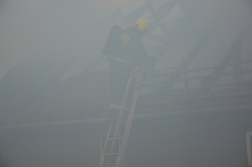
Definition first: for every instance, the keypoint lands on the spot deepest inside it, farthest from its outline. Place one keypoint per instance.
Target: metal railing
(186, 79)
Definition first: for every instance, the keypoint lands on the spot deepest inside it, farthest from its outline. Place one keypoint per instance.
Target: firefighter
(124, 51)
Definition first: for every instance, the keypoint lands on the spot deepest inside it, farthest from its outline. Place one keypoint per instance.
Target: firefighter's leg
(120, 73)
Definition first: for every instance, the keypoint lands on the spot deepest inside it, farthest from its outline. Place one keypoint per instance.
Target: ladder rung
(113, 154)
(122, 146)
(105, 133)
(116, 138)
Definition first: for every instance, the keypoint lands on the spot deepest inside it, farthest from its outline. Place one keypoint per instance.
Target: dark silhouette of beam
(232, 52)
(187, 61)
(160, 14)
(134, 15)
(171, 39)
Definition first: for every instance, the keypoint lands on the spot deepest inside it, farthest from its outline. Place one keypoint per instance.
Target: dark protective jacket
(126, 44)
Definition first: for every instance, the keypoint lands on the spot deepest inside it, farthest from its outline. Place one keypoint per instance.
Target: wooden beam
(233, 51)
(248, 142)
(187, 61)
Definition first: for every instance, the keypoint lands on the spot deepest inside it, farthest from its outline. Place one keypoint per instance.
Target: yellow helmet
(143, 25)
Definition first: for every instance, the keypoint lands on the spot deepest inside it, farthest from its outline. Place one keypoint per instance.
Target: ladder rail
(123, 144)
(129, 121)
(105, 144)
(119, 119)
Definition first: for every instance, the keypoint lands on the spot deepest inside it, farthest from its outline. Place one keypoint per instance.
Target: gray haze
(46, 43)
(64, 29)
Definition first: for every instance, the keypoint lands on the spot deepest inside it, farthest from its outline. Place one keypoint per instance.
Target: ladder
(124, 138)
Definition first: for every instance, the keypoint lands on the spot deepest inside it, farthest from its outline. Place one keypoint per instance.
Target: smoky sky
(66, 29)
(60, 31)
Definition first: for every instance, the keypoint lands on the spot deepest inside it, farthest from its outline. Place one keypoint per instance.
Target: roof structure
(179, 90)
